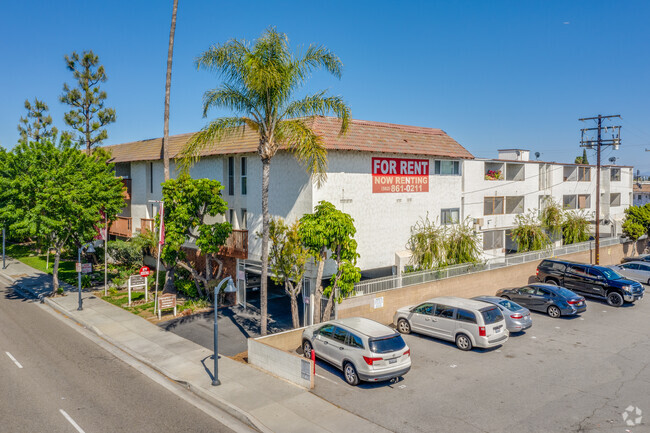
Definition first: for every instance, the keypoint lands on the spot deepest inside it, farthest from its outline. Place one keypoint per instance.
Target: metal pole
(600, 120)
(3, 247)
(79, 278)
(215, 378)
(155, 298)
(105, 254)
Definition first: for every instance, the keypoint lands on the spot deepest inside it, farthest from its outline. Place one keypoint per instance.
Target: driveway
(562, 375)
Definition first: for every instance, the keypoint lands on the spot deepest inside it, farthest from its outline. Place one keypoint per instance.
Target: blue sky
(492, 74)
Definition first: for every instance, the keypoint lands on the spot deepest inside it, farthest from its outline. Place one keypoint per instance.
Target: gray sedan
(637, 271)
(517, 317)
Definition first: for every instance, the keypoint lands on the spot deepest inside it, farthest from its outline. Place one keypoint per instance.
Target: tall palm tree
(260, 81)
(168, 85)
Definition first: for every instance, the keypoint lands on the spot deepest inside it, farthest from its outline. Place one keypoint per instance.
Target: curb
(222, 404)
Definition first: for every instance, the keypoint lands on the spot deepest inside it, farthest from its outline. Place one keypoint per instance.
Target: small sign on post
(138, 281)
(84, 268)
(166, 301)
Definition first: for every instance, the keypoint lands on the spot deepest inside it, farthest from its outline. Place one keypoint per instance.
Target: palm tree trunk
(168, 84)
(266, 171)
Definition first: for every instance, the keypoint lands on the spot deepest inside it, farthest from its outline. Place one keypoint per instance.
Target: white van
(467, 322)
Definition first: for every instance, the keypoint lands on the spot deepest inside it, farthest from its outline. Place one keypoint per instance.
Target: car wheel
(551, 282)
(554, 312)
(306, 349)
(615, 299)
(648, 282)
(463, 342)
(403, 326)
(350, 374)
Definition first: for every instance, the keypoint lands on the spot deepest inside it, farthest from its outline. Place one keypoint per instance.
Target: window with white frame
(449, 216)
(615, 199)
(493, 205)
(515, 204)
(570, 173)
(569, 202)
(615, 174)
(446, 167)
(493, 239)
(243, 173)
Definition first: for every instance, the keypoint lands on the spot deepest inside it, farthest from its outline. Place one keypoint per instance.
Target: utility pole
(589, 143)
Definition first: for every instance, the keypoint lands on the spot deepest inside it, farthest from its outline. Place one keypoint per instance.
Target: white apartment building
(641, 193)
(385, 176)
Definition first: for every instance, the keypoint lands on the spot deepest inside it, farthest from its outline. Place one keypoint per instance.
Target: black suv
(590, 280)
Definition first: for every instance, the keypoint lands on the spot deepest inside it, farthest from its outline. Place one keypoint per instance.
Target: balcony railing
(147, 225)
(127, 184)
(236, 245)
(122, 227)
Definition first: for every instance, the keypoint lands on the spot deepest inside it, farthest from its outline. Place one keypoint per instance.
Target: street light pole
(215, 378)
(3, 247)
(79, 278)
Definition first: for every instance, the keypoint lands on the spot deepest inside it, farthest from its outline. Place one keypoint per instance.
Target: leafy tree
(575, 228)
(168, 85)
(462, 244)
(260, 82)
(551, 217)
(88, 115)
(56, 193)
(287, 259)
(529, 233)
(37, 124)
(329, 229)
(188, 202)
(427, 244)
(582, 159)
(637, 221)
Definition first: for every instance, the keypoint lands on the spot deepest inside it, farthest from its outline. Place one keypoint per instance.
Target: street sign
(84, 268)
(138, 281)
(144, 271)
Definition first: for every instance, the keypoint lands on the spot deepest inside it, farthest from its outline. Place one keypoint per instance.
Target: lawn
(26, 254)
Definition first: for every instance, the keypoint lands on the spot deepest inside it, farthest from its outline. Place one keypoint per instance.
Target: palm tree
(168, 84)
(259, 83)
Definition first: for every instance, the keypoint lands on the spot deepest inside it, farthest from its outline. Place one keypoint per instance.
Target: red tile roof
(362, 136)
(641, 187)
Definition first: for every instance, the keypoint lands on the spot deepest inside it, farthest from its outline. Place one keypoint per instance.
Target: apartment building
(641, 193)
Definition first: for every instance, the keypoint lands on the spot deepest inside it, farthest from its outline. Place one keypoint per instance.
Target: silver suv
(362, 348)
(467, 322)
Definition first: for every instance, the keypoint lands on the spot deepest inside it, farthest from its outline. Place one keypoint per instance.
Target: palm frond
(229, 60)
(320, 104)
(213, 133)
(319, 57)
(306, 145)
(228, 96)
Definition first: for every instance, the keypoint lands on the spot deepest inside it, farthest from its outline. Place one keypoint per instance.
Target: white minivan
(467, 322)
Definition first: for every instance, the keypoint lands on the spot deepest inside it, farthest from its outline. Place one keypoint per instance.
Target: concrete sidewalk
(254, 397)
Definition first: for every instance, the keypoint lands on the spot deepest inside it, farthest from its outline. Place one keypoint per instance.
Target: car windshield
(566, 293)
(610, 274)
(385, 345)
(510, 305)
(491, 315)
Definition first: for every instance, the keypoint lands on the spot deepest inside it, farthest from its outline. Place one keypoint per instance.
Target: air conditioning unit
(478, 222)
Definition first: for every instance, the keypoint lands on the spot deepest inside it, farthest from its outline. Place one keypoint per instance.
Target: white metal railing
(419, 277)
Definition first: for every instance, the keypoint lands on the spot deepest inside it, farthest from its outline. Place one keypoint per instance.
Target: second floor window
(450, 216)
(231, 175)
(243, 174)
(615, 174)
(584, 174)
(493, 206)
(445, 167)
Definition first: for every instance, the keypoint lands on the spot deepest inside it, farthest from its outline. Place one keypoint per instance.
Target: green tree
(575, 228)
(462, 244)
(287, 260)
(37, 124)
(168, 85)
(56, 193)
(88, 115)
(529, 233)
(188, 202)
(427, 244)
(329, 229)
(260, 83)
(551, 217)
(637, 221)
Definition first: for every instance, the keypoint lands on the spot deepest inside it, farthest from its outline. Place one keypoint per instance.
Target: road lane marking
(323, 377)
(14, 360)
(71, 421)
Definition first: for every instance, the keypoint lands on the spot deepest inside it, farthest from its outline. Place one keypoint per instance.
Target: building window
(493, 205)
(638, 197)
(244, 216)
(569, 202)
(570, 173)
(584, 201)
(448, 168)
(231, 175)
(515, 172)
(450, 216)
(231, 217)
(584, 174)
(151, 177)
(515, 204)
(243, 174)
(615, 199)
(493, 240)
(615, 174)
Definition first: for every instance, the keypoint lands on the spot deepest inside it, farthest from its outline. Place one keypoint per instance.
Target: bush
(125, 253)
(187, 288)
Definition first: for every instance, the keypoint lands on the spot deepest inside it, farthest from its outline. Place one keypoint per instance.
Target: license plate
(497, 329)
(392, 361)
(580, 304)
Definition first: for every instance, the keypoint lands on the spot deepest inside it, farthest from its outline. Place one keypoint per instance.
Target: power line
(589, 143)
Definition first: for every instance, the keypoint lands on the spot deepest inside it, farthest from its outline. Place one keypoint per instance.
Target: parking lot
(570, 374)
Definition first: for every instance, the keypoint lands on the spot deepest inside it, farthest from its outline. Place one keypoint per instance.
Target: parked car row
(369, 351)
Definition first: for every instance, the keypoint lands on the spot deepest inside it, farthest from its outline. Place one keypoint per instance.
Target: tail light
(407, 353)
(537, 272)
(516, 316)
(574, 301)
(481, 331)
(369, 361)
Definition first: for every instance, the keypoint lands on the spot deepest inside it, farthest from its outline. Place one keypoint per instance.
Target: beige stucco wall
(481, 283)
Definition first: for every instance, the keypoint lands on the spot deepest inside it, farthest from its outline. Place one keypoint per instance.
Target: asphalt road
(53, 379)
(562, 375)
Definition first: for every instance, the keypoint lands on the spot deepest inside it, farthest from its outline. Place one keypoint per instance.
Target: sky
(492, 74)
